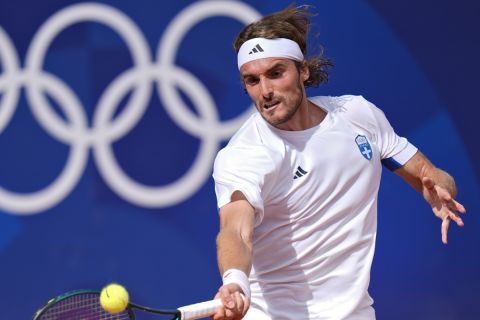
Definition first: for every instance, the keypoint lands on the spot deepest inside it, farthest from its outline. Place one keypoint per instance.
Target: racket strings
(83, 306)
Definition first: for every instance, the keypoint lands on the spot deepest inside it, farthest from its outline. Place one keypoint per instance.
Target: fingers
(451, 214)
(457, 219)
(447, 200)
(457, 206)
(448, 212)
(443, 194)
(443, 205)
(235, 305)
(246, 303)
(452, 209)
(445, 225)
(239, 303)
(237, 310)
(227, 299)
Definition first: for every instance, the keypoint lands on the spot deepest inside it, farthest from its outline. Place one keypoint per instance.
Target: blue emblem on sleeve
(364, 147)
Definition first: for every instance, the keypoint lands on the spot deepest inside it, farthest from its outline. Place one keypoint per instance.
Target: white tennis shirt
(315, 197)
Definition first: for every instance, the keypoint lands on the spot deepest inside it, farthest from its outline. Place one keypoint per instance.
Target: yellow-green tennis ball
(114, 298)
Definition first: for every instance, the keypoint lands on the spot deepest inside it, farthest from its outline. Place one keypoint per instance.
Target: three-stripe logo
(256, 49)
(299, 173)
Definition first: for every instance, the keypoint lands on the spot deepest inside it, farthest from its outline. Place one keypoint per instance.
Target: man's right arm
(234, 252)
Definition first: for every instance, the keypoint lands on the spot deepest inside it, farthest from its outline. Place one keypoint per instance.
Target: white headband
(258, 48)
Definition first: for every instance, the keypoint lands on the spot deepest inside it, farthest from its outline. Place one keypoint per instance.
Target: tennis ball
(114, 298)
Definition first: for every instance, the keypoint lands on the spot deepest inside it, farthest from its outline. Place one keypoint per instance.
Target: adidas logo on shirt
(256, 49)
(299, 173)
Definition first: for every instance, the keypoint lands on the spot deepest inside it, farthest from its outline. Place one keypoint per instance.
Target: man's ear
(304, 71)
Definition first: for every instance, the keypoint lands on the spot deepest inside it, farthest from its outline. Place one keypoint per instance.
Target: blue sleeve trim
(391, 164)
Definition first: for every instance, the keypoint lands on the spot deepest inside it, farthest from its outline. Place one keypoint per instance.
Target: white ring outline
(10, 64)
(170, 43)
(183, 187)
(82, 12)
(77, 159)
(76, 132)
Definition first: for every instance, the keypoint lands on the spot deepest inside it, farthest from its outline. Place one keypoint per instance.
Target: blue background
(418, 61)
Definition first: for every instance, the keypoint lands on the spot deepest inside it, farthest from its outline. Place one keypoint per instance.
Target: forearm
(420, 167)
(233, 252)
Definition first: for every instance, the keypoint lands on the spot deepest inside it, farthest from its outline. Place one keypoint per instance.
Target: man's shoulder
(353, 108)
(247, 133)
(254, 134)
(257, 159)
(252, 144)
(340, 103)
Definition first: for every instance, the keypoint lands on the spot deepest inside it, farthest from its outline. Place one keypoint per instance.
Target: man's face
(276, 87)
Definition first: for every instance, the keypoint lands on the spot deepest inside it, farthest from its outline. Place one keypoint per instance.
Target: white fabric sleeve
(242, 169)
(394, 150)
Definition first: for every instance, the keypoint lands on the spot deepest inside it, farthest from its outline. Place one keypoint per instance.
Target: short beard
(291, 112)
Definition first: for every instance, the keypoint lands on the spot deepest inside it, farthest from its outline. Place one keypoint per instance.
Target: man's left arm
(437, 187)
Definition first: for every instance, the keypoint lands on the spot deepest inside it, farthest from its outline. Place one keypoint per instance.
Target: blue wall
(111, 117)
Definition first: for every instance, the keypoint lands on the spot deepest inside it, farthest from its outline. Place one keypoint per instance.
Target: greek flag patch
(364, 147)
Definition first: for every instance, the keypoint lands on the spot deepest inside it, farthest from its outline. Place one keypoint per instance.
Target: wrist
(238, 277)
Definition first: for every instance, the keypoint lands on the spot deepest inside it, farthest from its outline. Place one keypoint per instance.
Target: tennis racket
(85, 305)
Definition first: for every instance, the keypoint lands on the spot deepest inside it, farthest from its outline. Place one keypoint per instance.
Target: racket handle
(200, 310)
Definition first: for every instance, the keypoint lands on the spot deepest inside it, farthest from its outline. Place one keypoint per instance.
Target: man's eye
(251, 81)
(276, 74)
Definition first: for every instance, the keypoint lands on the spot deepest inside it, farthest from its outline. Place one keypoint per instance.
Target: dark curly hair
(291, 23)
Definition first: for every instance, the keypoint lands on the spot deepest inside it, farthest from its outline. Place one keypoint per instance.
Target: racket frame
(175, 313)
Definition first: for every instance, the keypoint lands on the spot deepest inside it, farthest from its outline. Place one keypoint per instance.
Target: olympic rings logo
(103, 132)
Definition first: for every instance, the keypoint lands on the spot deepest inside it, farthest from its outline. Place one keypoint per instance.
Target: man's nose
(266, 88)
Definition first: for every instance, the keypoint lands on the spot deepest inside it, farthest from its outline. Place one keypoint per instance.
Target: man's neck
(308, 116)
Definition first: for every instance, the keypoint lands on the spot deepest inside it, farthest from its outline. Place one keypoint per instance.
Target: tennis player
(297, 185)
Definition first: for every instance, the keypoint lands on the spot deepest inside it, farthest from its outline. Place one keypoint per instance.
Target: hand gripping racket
(85, 305)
